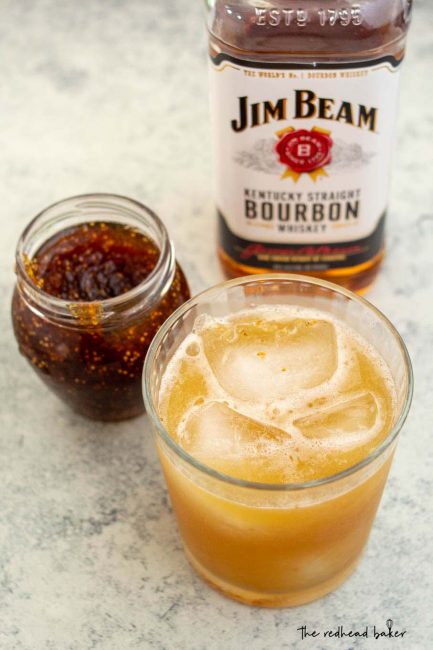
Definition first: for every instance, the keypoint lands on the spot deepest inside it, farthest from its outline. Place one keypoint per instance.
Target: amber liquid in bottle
(308, 35)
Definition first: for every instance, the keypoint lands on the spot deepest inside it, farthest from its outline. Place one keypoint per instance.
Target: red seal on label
(304, 151)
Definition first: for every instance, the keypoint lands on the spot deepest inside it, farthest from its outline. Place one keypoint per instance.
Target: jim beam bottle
(304, 97)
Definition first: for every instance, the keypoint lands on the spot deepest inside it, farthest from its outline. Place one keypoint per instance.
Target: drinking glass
(276, 545)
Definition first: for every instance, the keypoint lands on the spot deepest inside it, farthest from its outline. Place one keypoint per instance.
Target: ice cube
(263, 360)
(351, 420)
(186, 388)
(234, 444)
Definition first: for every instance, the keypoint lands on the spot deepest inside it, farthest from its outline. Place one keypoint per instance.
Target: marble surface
(112, 96)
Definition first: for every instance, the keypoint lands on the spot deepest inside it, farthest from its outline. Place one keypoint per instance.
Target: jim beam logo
(304, 151)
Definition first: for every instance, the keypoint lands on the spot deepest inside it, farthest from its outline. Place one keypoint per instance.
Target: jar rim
(206, 470)
(152, 287)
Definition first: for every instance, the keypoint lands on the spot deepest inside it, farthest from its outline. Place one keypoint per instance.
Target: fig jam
(93, 261)
(88, 302)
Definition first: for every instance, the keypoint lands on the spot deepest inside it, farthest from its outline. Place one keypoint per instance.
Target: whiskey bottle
(304, 96)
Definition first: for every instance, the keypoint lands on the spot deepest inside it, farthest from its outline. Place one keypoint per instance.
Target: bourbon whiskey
(304, 96)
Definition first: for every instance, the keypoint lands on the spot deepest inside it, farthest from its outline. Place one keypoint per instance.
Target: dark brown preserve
(91, 354)
(93, 261)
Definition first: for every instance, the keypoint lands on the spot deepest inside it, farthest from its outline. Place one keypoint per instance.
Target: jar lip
(165, 265)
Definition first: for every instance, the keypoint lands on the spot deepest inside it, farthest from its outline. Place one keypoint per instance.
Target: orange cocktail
(277, 418)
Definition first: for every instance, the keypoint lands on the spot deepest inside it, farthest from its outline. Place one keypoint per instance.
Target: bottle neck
(120, 310)
(309, 29)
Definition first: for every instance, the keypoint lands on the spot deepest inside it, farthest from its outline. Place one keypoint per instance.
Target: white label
(303, 155)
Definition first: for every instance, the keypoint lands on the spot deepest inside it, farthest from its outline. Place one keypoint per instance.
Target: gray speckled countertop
(112, 96)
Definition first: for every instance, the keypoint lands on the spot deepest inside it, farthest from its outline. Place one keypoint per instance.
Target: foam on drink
(277, 394)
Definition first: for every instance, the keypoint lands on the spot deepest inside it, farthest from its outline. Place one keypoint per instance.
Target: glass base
(292, 599)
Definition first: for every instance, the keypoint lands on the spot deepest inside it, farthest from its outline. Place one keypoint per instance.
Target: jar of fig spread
(96, 278)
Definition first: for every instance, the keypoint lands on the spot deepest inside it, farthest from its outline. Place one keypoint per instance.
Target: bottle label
(303, 156)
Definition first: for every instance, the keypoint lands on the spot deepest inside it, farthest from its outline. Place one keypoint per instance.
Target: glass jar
(91, 353)
(304, 96)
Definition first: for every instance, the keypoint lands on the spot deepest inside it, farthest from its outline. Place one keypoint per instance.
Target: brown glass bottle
(320, 78)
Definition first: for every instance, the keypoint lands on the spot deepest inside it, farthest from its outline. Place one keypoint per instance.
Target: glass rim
(166, 249)
(273, 487)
